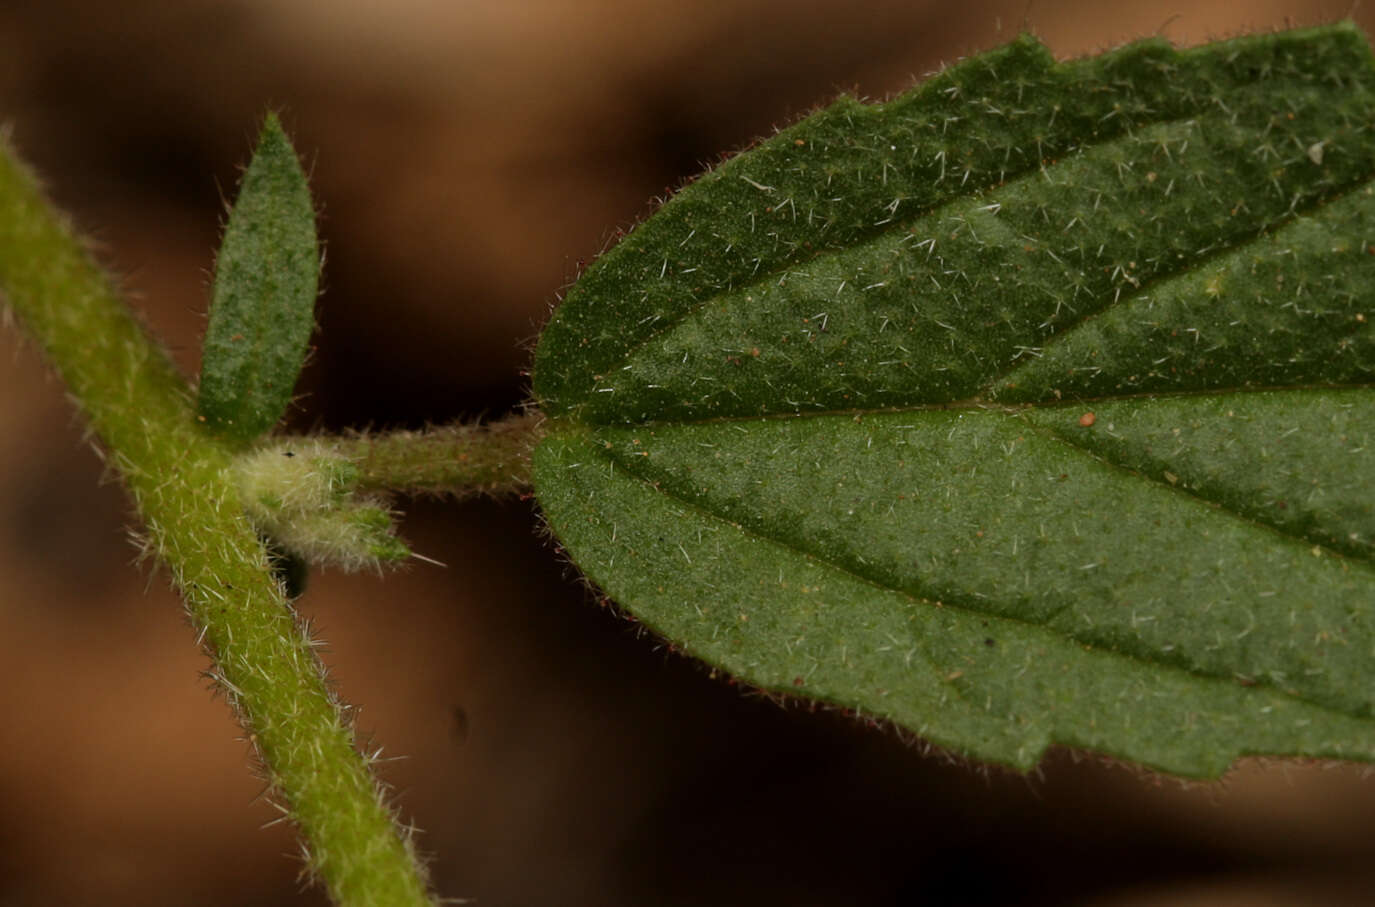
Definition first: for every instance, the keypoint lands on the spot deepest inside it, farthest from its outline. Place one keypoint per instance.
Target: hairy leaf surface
(262, 307)
(1033, 406)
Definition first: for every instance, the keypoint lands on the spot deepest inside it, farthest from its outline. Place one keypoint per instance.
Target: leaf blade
(828, 195)
(799, 623)
(263, 298)
(1057, 401)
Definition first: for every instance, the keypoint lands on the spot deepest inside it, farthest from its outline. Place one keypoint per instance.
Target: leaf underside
(262, 306)
(1033, 406)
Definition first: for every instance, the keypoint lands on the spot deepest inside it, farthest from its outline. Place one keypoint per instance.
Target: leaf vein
(1195, 494)
(627, 467)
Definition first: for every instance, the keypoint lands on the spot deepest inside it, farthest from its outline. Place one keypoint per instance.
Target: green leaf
(1033, 406)
(262, 305)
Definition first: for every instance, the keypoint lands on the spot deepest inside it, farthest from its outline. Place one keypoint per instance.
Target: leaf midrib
(559, 424)
(1012, 410)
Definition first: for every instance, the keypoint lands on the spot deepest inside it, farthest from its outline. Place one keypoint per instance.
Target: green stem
(183, 488)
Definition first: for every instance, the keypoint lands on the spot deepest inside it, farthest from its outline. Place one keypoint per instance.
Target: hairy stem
(482, 458)
(182, 485)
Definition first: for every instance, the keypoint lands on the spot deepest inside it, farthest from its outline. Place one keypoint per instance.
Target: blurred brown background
(467, 156)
